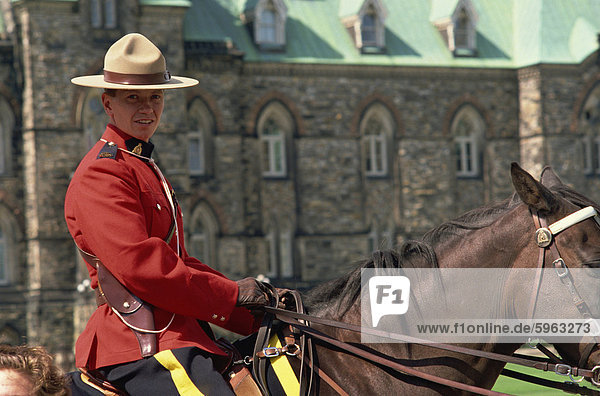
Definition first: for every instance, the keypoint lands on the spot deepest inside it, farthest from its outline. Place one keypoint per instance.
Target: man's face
(135, 112)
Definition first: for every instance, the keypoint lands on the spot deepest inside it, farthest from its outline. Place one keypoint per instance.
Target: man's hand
(251, 293)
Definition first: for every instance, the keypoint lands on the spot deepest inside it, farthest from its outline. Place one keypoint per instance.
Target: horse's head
(567, 238)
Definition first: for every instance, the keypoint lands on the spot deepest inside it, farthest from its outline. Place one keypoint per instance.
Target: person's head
(135, 77)
(136, 112)
(30, 371)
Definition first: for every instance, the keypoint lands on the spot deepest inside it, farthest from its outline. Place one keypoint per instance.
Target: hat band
(137, 79)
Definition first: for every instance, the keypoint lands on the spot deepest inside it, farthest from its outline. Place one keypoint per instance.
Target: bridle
(545, 238)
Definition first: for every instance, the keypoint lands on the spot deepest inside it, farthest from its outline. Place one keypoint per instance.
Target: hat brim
(97, 81)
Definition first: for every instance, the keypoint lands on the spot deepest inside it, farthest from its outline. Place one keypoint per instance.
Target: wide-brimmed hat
(134, 62)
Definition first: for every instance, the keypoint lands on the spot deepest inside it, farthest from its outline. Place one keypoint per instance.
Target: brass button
(158, 207)
(215, 316)
(222, 319)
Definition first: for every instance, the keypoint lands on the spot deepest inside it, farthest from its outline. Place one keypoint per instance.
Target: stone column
(531, 134)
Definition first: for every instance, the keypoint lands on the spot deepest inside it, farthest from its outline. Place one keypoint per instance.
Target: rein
(544, 238)
(293, 317)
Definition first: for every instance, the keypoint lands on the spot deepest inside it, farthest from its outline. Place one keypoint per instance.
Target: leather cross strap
(138, 313)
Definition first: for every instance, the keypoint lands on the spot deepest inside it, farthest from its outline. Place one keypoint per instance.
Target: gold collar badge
(137, 149)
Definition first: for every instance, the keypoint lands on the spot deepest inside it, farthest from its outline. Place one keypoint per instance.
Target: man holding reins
(149, 334)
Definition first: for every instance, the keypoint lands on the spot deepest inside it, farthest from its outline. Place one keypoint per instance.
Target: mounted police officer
(148, 335)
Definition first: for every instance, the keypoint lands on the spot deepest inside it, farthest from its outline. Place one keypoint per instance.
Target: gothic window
(461, 29)
(201, 127)
(3, 150)
(377, 131)
(468, 132)
(203, 232)
(267, 26)
(93, 117)
(367, 28)
(275, 130)
(8, 257)
(589, 121)
(4, 278)
(7, 122)
(281, 261)
(267, 19)
(103, 14)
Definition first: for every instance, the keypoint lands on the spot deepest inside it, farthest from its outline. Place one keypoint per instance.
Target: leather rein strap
(292, 318)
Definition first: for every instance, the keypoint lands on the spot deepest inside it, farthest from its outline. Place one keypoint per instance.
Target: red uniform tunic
(116, 209)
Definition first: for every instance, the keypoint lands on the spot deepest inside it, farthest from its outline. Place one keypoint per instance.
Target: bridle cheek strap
(544, 238)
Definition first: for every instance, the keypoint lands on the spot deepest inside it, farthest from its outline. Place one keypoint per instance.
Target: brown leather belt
(138, 313)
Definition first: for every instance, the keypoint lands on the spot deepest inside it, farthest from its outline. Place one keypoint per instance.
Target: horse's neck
(499, 245)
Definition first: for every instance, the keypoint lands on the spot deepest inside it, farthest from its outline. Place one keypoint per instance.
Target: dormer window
(267, 26)
(266, 20)
(366, 26)
(458, 29)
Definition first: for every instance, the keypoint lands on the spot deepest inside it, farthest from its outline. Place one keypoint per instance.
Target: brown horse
(498, 236)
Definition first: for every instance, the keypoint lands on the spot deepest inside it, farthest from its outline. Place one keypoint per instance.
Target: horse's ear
(532, 192)
(549, 178)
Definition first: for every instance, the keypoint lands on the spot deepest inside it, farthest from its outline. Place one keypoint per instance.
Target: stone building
(320, 130)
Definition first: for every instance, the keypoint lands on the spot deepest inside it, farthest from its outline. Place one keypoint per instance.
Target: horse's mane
(338, 295)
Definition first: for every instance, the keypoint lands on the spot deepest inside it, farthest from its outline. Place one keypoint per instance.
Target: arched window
(589, 122)
(203, 232)
(267, 25)
(201, 129)
(4, 276)
(462, 29)
(468, 131)
(93, 117)
(7, 123)
(269, 19)
(368, 28)
(365, 22)
(459, 28)
(8, 248)
(281, 253)
(377, 131)
(275, 130)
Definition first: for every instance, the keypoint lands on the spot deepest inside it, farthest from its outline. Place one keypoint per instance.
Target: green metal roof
(349, 7)
(510, 33)
(442, 8)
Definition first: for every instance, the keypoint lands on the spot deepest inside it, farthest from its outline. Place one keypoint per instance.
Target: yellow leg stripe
(182, 381)
(284, 370)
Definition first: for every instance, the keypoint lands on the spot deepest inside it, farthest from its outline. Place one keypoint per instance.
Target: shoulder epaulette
(108, 151)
